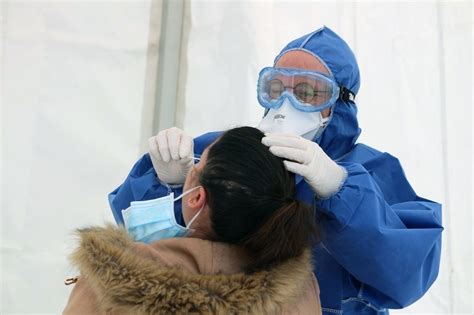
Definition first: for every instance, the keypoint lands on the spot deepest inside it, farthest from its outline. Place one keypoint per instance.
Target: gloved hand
(307, 159)
(172, 155)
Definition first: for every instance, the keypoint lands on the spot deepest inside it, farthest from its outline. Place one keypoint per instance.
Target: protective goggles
(308, 91)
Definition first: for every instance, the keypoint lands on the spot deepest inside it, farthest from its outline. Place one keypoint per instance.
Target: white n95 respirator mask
(287, 119)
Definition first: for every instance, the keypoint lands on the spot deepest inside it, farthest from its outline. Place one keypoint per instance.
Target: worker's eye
(304, 92)
(275, 88)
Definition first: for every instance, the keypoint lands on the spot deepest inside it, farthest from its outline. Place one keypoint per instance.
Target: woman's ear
(197, 200)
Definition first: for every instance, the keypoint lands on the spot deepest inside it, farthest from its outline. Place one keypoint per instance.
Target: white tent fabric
(72, 102)
(77, 78)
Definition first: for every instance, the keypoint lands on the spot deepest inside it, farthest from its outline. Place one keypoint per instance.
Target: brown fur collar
(129, 283)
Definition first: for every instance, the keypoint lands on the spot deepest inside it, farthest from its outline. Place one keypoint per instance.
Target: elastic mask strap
(324, 121)
(194, 218)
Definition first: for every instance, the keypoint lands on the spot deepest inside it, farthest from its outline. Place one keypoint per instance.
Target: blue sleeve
(381, 232)
(143, 184)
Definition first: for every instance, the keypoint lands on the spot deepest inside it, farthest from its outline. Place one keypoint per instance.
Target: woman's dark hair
(251, 195)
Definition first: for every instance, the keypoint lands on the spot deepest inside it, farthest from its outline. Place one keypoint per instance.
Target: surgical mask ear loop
(199, 212)
(194, 218)
(185, 193)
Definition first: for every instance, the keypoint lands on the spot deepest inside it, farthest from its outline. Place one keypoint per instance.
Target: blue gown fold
(382, 234)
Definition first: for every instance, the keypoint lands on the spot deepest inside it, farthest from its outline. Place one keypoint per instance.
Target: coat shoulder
(131, 278)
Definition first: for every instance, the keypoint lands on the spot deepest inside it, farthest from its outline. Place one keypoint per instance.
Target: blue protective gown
(381, 242)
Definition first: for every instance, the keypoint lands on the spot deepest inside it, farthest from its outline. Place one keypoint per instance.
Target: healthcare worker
(381, 242)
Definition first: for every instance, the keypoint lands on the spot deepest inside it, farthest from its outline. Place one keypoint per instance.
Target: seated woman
(247, 253)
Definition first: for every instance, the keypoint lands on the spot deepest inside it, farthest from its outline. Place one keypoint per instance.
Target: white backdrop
(76, 75)
(73, 83)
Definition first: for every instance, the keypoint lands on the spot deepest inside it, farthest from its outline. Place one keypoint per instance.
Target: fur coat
(183, 276)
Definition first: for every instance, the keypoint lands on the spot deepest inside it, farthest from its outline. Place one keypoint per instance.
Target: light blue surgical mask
(152, 220)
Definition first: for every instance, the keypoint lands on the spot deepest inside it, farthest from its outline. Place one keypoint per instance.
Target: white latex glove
(307, 159)
(172, 155)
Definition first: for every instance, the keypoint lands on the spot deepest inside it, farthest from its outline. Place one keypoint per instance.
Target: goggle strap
(346, 94)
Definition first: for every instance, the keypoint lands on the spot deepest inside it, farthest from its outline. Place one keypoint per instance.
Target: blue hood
(343, 130)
